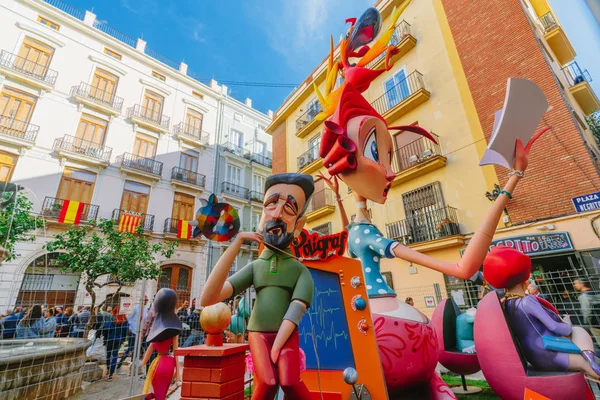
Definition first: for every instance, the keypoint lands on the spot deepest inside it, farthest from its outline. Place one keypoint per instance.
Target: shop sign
(534, 245)
(588, 202)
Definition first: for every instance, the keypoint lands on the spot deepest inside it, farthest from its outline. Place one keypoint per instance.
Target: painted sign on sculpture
(588, 202)
(536, 244)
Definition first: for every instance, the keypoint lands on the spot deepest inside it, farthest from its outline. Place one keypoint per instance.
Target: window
(236, 138)
(198, 95)
(425, 211)
(189, 160)
(424, 199)
(48, 23)
(183, 206)
(112, 54)
(258, 183)
(193, 123)
(324, 229)
(135, 197)
(34, 57)
(313, 145)
(104, 86)
(396, 88)
(145, 146)
(312, 109)
(387, 276)
(158, 76)
(234, 175)
(152, 106)
(91, 129)
(260, 148)
(255, 221)
(16, 109)
(7, 165)
(76, 185)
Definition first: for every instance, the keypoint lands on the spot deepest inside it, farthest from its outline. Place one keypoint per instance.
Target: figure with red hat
(548, 342)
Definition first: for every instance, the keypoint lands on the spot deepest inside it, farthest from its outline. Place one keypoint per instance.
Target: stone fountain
(48, 369)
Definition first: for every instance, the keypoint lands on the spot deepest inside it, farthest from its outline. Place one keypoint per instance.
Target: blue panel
(329, 325)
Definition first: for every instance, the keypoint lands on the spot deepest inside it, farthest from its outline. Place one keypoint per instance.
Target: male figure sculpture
(284, 287)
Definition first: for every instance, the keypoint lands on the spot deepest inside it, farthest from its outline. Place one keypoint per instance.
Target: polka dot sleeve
(377, 243)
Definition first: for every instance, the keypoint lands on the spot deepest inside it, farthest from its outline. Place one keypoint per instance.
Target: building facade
(91, 115)
(450, 77)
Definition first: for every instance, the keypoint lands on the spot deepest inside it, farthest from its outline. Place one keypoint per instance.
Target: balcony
(171, 228)
(260, 159)
(402, 98)
(235, 190)
(307, 121)
(557, 39)
(147, 220)
(19, 133)
(320, 204)
(310, 161)
(97, 98)
(191, 134)
(417, 157)
(256, 196)
(20, 68)
(149, 118)
(82, 150)
(426, 226)
(52, 208)
(402, 39)
(187, 178)
(234, 149)
(579, 86)
(141, 166)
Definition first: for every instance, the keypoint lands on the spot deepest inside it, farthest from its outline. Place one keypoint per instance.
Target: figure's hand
(522, 152)
(249, 236)
(275, 354)
(332, 182)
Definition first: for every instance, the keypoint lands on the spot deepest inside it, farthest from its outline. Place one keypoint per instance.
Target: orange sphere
(216, 318)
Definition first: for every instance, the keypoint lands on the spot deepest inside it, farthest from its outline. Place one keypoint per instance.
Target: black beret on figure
(306, 182)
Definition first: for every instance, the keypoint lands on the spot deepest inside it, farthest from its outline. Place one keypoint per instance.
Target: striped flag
(129, 222)
(70, 213)
(184, 230)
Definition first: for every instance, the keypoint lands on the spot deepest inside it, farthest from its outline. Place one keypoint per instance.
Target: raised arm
(217, 288)
(332, 182)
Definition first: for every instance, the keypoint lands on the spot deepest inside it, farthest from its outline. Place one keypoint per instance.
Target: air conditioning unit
(303, 160)
(427, 153)
(413, 159)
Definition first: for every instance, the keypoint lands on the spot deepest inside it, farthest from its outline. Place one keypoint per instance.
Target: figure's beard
(275, 234)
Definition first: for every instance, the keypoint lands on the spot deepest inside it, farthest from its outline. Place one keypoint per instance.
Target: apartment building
(450, 76)
(91, 115)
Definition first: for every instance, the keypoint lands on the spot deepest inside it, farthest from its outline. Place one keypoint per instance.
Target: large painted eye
(371, 150)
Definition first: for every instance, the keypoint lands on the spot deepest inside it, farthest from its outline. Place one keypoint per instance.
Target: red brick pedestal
(211, 373)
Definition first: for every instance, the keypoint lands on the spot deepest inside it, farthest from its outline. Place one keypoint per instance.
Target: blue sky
(255, 40)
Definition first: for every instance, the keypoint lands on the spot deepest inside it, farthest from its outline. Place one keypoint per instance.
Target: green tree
(98, 249)
(593, 121)
(16, 221)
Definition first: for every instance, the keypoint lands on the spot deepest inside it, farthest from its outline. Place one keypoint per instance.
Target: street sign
(535, 244)
(588, 202)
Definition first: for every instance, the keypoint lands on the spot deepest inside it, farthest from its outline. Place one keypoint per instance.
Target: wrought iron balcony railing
(30, 68)
(144, 164)
(401, 31)
(171, 226)
(192, 132)
(260, 159)
(67, 8)
(548, 22)
(306, 158)
(150, 115)
(98, 95)
(399, 92)
(235, 149)
(308, 116)
(147, 220)
(236, 190)
(87, 148)
(53, 208)
(576, 75)
(12, 127)
(256, 196)
(419, 150)
(187, 176)
(424, 226)
(319, 200)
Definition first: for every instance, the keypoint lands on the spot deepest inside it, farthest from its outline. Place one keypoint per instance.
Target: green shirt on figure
(278, 280)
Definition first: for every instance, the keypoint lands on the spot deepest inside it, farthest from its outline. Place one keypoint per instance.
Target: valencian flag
(129, 222)
(184, 230)
(70, 213)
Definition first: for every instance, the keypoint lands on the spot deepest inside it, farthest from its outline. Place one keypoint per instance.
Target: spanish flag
(184, 230)
(129, 222)
(70, 213)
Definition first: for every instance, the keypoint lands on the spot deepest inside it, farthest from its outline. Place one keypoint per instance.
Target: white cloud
(189, 26)
(143, 7)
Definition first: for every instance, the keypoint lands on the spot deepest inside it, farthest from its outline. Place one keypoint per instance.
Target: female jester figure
(356, 146)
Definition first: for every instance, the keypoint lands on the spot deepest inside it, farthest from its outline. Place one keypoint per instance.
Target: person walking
(133, 318)
(115, 332)
(533, 290)
(590, 306)
(197, 333)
